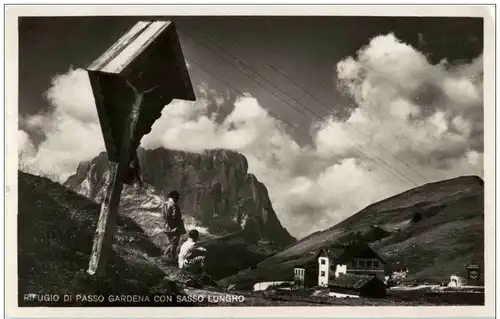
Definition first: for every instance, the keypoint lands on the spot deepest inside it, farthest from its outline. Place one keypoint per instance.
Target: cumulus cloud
(26, 148)
(425, 113)
(71, 127)
(429, 116)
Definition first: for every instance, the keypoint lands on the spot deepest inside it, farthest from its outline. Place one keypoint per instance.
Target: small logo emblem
(473, 271)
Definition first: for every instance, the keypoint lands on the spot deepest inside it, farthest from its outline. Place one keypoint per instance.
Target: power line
(298, 102)
(260, 84)
(241, 93)
(347, 122)
(387, 164)
(276, 69)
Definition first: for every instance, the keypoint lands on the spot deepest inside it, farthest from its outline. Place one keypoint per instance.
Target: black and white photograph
(172, 160)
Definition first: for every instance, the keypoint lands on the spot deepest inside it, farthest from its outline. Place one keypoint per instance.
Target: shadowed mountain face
(218, 196)
(435, 230)
(55, 233)
(229, 207)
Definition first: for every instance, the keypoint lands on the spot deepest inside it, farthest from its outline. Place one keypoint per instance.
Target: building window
(361, 263)
(369, 264)
(323, 261)
(322, 274)
(375, 264)
(299, 272)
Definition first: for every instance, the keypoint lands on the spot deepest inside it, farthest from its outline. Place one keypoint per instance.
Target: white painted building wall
(456, 281)
(340, 269)
(340, 295)
(324, 267)
(266, 284)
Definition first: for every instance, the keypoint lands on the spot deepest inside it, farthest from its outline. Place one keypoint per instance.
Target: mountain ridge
(217, 192)
(434, 229)
(228, 206)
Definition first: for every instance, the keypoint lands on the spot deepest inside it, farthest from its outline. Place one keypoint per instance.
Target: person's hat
(174, 194)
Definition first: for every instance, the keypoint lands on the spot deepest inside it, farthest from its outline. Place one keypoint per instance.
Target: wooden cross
(132, 82)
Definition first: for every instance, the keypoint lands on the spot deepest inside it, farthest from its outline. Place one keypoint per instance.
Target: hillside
(229, 207)
(435, 230)
(55, 233)
(217, 192)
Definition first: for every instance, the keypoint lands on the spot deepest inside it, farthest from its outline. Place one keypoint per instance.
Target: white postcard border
(11, 122)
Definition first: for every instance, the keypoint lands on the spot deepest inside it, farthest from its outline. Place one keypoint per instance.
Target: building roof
(332, 252)
(341, 254)
(351, 281)
(358, 250)
(338, 254)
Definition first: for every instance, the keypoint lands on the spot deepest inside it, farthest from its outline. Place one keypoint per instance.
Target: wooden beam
(132, 82)
(109, 208)
(107, 221)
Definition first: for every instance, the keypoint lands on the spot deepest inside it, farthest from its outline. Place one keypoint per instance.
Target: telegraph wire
(304, 106)
(276, 69)
(274, 114)
(336, 114)
(241, 93)
(318, 116)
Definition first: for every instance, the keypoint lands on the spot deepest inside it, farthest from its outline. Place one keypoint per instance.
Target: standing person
(191, 256)
(174, 225)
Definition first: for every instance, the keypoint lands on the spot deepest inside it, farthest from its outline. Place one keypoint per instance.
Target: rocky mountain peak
(218, 195)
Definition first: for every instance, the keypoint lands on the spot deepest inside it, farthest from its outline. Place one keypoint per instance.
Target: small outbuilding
(361, 285)
(456, 281)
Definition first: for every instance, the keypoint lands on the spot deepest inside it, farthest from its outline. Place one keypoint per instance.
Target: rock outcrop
(219, 196)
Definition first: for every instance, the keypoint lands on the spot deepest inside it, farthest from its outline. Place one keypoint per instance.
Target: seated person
(192, 257)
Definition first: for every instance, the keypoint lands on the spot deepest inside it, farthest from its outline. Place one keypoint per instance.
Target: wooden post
(106, 221)
(146, 60)
(109, 207)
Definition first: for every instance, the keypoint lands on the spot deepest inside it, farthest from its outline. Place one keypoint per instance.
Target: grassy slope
(55, 234)
(450, 234)
(56, 229)
(232, 253)
(136, 204)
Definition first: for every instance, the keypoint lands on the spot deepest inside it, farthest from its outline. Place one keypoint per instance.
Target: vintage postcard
(250, 161)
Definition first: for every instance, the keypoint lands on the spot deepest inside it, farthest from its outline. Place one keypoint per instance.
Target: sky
(332, 113)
